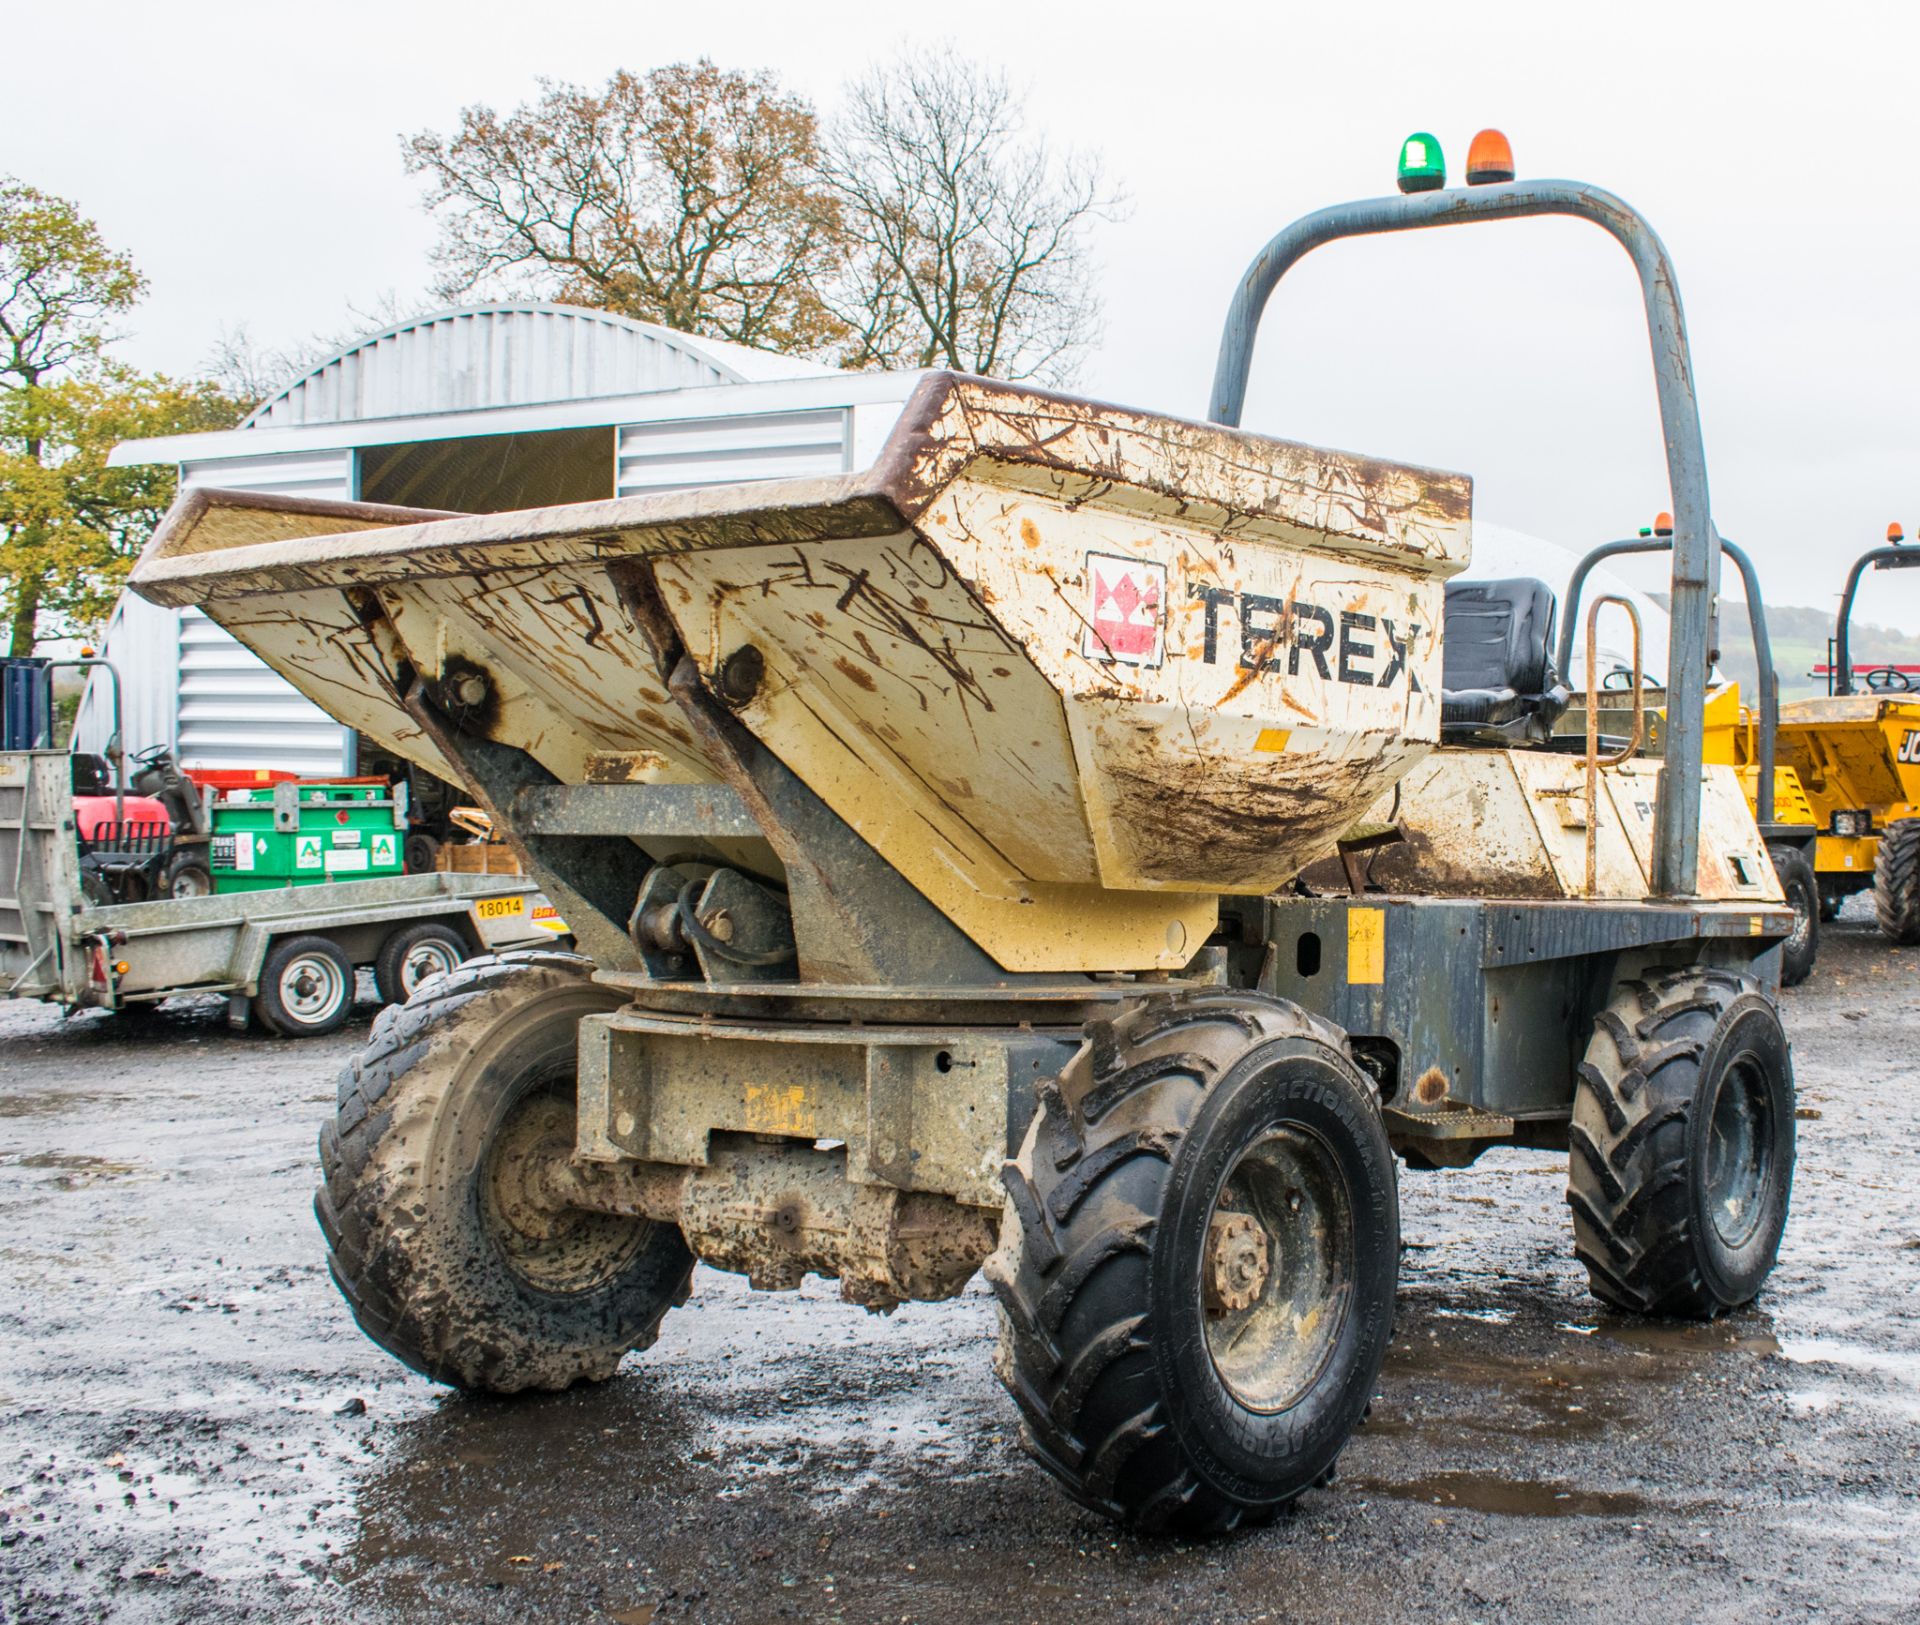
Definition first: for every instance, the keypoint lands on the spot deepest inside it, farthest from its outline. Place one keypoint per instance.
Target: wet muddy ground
(192, 1428)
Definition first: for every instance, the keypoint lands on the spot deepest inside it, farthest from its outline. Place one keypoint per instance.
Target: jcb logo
(1910, 746)
(1368, 651)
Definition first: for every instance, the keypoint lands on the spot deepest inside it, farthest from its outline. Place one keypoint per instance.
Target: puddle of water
(1903, 1365)
(1713, 1337)
(1512, 1498)
(74, 1171)
(46, 1103)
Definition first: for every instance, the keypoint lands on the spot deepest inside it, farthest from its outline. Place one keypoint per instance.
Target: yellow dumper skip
(1073, 670)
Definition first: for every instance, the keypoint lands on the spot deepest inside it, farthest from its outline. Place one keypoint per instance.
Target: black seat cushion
(1498, 684)
(92, 775)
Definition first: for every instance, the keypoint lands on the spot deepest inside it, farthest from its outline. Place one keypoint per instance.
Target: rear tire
(306, 988)
(1197, 1264)
(1682, 1144)
(1802, 889)
(1896, 882)
(409, 957)
(444, 1123)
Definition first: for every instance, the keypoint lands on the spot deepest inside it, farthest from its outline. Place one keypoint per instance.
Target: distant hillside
(1800, 643)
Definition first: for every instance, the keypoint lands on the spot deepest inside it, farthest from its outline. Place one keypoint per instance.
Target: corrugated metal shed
(512, 355)
(720, 451)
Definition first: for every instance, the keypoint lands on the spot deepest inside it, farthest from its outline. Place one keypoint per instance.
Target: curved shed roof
(482, 356)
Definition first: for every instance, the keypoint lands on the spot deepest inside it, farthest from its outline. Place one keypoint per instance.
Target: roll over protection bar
(1696, 551)
(1756, 619)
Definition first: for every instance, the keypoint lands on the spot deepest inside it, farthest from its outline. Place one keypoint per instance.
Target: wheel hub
(529, 1193)
(1277, 1268)
(529, 1170)
(310, 989)
(1237, 1263)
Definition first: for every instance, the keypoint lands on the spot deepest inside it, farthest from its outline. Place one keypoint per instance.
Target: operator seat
(1498, 685)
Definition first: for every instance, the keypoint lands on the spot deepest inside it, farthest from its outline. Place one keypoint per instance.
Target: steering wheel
(152, 754)
(1889, 680)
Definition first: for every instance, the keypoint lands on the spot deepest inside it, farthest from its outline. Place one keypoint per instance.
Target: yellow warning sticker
(1272, 739)
(779, 1109)
(1366, 946)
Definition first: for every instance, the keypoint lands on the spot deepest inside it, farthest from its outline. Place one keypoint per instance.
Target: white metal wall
(231, 710)
(721, 450)
(143, 642)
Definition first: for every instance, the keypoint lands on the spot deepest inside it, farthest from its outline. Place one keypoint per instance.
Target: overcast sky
(248, 156)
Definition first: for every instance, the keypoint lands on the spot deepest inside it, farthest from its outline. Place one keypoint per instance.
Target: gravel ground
(194, 1428)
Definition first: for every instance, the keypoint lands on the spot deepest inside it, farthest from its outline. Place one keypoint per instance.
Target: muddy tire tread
(365, 1181)
(1176, 1047)
(1797, 879)
(1627, 1173)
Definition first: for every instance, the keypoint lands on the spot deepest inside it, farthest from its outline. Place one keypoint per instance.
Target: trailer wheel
(1799, 951)
(1682, 1144)
(1896, 882)
(1197, 1263)
(435, 1197)
(409, 957)
(306, 988)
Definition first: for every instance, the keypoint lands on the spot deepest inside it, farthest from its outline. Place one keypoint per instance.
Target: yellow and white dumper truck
(930, 837)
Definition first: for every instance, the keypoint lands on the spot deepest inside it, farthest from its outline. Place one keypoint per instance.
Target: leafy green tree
(70, 527)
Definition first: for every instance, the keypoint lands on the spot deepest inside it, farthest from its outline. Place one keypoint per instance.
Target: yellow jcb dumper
(1856, 752)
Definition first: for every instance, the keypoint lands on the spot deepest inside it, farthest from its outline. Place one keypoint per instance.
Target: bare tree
(966, 237)
(683, 196)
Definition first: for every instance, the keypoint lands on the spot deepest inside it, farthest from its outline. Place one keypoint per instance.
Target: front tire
(1896, 882)
(430, 1199)
(1682, 1144)
(1197, 1264)
(1802, 890)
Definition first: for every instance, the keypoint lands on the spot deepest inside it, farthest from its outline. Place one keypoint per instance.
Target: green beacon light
(1423, 167)
(1646, 530)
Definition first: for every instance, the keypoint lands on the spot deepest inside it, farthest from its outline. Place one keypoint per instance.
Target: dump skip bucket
(1074, 671)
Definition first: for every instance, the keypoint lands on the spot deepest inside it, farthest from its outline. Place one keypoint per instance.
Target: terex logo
(1368, 651)
(1126, 596)
(1910, 746)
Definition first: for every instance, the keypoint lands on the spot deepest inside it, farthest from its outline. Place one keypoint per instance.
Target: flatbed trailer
(287, 955)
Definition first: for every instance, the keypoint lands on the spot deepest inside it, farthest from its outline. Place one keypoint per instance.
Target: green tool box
(305, 833)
